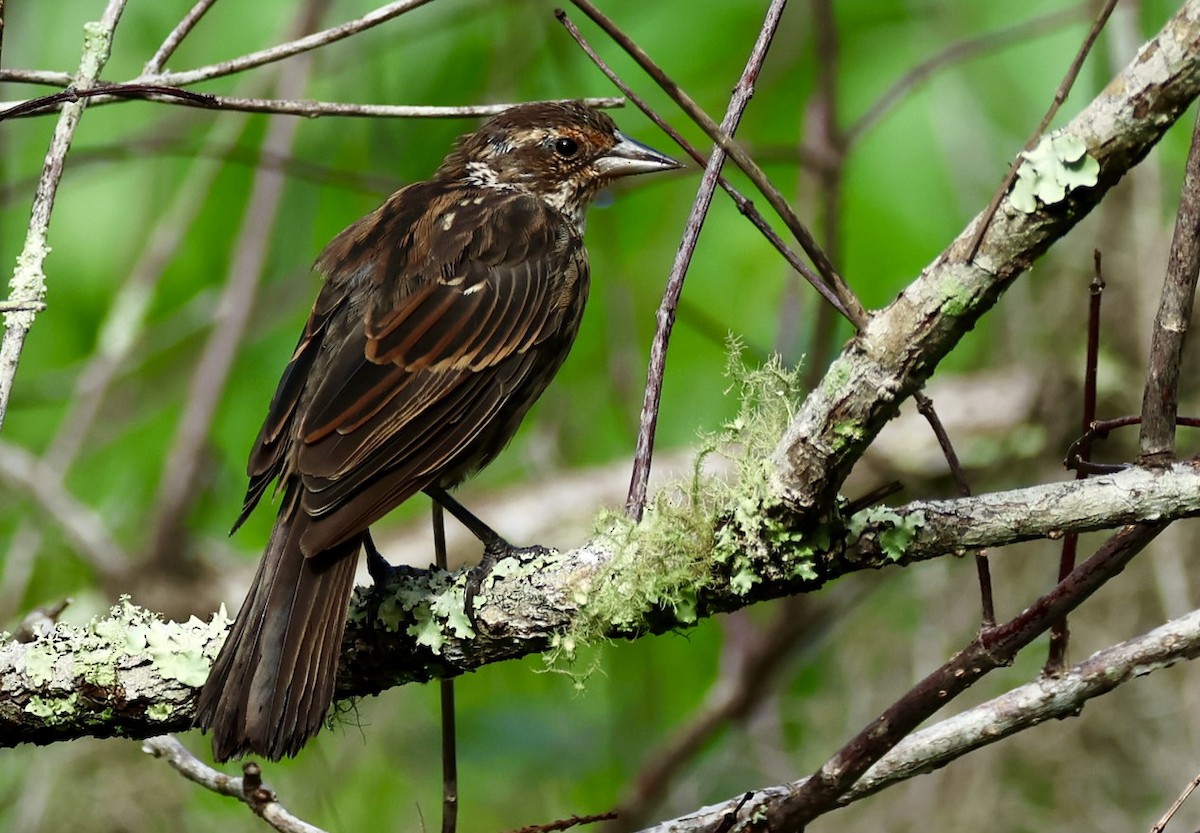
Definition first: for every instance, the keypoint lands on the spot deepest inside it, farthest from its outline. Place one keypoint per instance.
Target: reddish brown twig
(993, 648)
(1056, 654)
(1160, 400)
(47, 102)
(566, 824)
(982, 567)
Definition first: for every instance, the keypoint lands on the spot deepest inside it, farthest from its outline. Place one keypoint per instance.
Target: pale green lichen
(1054, 167)
(52, 709)
(94, 652)
(898, 530)
(160, 712)
(437, 611)
(39, 664)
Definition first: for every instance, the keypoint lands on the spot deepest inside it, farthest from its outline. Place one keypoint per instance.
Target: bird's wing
(453, 326)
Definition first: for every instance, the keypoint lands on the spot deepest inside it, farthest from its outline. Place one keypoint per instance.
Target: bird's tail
(271, 686)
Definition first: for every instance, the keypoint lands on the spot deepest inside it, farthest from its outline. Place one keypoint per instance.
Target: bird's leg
(487, 536)
(494, 547)
(378, 567)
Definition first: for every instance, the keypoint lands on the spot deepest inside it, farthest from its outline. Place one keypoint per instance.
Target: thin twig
(849, 302)
(1060, 95)
(37, 76)
(248, 789)
(28, 284)
(288, 49)
(1056, 654)
(1160, 400)
(1162, 823)
(962, 51)
(446, 692)
(982, 567)
(47, 103)
(566, 824)
(744, 205)
(742, 92)
(296, 107)
(829, 151)
(177, 486)
(181, 31)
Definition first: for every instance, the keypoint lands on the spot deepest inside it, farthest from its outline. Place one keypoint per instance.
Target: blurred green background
(532, 748)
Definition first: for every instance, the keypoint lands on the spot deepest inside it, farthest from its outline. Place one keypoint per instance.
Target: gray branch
(131, 675)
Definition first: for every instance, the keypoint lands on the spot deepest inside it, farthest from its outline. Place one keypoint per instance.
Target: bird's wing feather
(453, 330)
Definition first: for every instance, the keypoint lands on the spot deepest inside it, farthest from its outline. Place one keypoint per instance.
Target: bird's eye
(566, 147)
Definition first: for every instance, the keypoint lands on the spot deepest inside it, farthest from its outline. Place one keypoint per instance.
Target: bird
(442, 317)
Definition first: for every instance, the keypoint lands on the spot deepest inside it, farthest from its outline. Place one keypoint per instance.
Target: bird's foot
(494, 551)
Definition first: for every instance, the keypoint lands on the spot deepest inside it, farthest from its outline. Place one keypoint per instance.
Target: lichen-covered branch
(131, 675)
(904, 342)
(28, 285)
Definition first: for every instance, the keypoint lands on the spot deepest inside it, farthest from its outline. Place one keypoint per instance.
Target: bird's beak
(629, 157)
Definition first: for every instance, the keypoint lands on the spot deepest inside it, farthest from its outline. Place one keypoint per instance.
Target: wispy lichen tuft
(694, 529)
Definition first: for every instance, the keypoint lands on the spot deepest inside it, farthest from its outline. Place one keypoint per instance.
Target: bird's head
(562, 152)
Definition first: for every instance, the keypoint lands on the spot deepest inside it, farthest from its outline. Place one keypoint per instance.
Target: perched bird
(443, 316)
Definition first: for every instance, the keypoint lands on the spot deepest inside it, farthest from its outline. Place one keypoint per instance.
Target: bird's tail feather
(271, 686)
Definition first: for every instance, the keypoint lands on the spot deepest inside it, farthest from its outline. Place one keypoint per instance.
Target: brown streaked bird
(443, 316)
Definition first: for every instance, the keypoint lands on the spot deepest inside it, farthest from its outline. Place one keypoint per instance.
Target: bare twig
(742, 93)
(37, 76)
(964, 50)
(1060, 95)
(849, 302)
(28, 285)
(446, 697)
(177, 487)
(745, 206)
(248, 789)
(296, 107)
(1160, 400)
(566, 824)
(288, 49)
(982, 568)
(1056, 655)
(1162, 823)
(47, 103)
(828, 149)
(182, 29)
